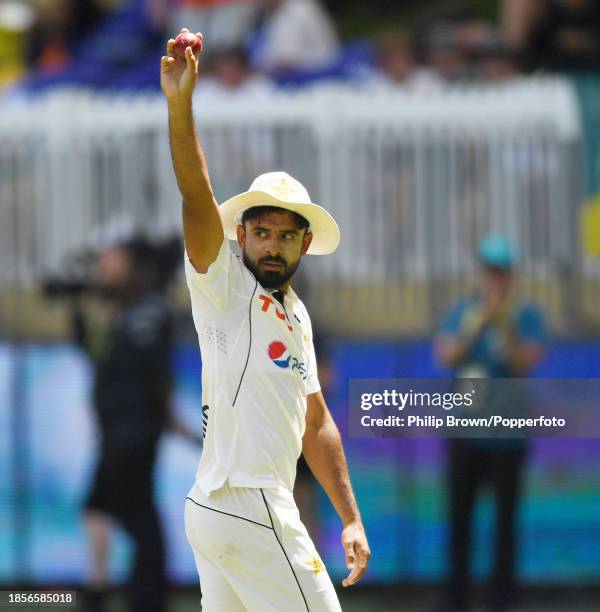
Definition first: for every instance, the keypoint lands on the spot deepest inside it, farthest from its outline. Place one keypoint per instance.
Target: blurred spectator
(131, 399)
(496, 61)
(438, 39)
(397, 66)
(456, 44)
(554, 34)
(111, 43)
(16, 18)
(230, 75)
(293, 35)
(59, 26)
(223, 23)
(486, 51)
(491, 334)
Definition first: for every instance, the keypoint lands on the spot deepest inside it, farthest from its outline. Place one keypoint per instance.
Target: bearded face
(272, 245)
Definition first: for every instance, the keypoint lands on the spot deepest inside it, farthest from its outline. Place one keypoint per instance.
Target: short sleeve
(530, 325)
(312, 381)
(210, 292)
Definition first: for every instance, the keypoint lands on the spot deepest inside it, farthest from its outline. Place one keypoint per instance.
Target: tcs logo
(282, 358)
(267, 303)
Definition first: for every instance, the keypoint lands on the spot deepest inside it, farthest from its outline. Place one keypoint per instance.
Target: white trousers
(253, 553)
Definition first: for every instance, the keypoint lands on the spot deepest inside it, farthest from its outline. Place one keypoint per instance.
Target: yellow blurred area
(11, 55)
(590, 226)
(15, 20)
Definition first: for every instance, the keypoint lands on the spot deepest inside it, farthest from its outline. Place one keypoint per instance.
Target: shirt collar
(290, 295)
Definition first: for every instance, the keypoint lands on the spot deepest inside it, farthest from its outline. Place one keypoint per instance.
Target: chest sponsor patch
(282, 358)
(267, 302)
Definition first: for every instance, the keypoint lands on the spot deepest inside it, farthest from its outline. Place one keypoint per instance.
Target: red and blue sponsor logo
(279, 354)
(282, 358)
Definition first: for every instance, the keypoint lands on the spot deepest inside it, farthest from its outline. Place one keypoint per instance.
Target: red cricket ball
(187, 39)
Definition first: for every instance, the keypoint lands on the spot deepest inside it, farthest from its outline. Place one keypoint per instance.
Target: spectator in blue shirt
(490, 334)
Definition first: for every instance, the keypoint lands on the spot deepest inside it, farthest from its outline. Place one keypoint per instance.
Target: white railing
(413, 180)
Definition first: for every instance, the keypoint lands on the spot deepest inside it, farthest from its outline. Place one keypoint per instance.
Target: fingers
(349, 550)
(350, 564)
(198, 51)
(353, 577)
(356, 573)
(191, 59)
(357, 560)
(166, 61)
(362, 561)
(171, 47)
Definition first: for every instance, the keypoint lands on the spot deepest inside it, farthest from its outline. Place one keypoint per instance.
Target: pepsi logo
(279, 354)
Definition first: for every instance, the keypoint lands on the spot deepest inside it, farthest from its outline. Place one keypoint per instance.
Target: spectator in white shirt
(232, 76)
(294, 35)
(397, 67)
(223, 23)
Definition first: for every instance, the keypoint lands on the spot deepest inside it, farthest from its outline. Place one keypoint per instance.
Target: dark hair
(257, 212)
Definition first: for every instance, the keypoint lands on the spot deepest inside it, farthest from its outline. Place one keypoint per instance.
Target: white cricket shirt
(258, 365)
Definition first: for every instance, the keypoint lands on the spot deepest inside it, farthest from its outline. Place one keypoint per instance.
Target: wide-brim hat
(281, 190)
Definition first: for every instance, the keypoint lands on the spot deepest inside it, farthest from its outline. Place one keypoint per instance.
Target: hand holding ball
(179, 67)
(187, 39)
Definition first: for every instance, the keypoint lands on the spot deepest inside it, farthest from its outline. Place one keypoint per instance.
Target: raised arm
(202, 226)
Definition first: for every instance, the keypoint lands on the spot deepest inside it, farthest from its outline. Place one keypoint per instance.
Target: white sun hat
(282, 190)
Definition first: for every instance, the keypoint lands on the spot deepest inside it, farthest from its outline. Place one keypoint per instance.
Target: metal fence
(412, 180)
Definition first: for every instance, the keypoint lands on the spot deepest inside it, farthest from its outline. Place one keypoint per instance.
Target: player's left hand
(356, 547)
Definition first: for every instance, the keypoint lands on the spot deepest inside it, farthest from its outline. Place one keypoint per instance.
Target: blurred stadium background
(420, 126)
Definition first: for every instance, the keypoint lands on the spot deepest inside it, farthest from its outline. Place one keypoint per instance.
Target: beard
(271, 279)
